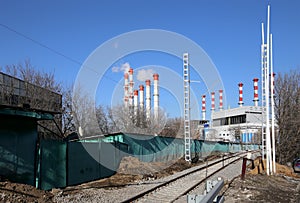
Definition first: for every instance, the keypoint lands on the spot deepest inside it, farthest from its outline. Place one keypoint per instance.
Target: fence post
(244, 168)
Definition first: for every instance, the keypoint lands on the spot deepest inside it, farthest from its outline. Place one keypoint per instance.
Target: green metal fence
(51, 164)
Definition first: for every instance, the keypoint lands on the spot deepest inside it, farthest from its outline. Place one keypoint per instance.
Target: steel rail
(144, 193)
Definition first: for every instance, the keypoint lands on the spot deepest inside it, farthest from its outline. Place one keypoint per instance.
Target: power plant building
(240, 124)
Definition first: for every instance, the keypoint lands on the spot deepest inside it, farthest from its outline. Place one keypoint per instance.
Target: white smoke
(144, 74)
(123, 68)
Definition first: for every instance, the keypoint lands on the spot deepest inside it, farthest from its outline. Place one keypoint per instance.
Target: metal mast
(267, 100)
(186, 89)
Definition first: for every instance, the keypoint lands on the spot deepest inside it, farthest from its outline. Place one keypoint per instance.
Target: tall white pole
(269, 158)
(272, 104)
(263, 80)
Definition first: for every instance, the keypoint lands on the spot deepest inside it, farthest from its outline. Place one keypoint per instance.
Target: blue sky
(228, 31)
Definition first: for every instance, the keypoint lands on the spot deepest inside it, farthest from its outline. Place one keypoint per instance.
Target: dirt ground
(284, 187)
(258, 187)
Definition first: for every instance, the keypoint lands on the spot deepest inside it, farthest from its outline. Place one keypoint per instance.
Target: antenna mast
(186, 89)
(267, 99)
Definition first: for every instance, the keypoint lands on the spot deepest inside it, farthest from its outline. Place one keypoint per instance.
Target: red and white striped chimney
(131, 84)
(135, 98)
(141, 97)
(155, 95)
(148, 98)
(240, 94)
(203, 107)
(255, 85)
(135, 101)
(126, 89)
(220, 100)
(212, 101)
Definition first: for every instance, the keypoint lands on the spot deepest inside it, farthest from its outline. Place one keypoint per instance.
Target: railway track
(180, 185)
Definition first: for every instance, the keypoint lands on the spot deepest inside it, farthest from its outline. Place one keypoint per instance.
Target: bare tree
(84, 113)
(126, 120)
(173, 128)
(287, 106)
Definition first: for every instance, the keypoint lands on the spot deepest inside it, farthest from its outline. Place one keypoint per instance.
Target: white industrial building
(241, 124)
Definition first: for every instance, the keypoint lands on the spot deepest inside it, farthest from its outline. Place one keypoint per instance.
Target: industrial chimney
(135, 101)
(131, 84)
(220, 100)
(203, 107)
(141, 97)
(213, 101)
(155, 95)
(126, 90)
(255, 85)
(148, 99)
(240, 94)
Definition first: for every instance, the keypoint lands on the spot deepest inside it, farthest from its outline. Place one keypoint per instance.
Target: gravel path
(123, 193)
(228, 174)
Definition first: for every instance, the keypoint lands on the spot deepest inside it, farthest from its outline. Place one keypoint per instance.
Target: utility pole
(268, 117)
(186, 103)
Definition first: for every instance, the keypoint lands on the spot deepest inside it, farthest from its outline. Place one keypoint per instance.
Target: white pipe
(268, 140)
(272, 105)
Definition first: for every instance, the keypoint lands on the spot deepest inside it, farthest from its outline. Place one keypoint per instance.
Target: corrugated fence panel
(83, 165)
(17, 150)
(52, 164)
(91, 161)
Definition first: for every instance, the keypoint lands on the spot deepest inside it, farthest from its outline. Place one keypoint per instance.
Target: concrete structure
(240, 124)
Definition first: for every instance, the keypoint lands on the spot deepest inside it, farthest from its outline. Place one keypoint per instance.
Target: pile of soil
(16, 192)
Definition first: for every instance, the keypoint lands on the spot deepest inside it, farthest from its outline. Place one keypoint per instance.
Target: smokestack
(135, 101)
(126, 90)
(142, 97)
(148, 98)
(255, 85)
(240, 94)
(131, 84)
(221, 100)
(203, 107)
(155, 95)
(135, 98)
(213, 101)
